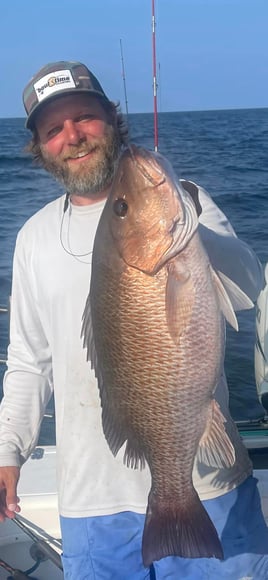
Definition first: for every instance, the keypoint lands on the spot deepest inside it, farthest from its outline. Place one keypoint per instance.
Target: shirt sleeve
(227, 253)
(28, 380)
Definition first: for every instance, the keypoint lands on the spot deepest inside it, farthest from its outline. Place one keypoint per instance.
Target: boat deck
(37, 490)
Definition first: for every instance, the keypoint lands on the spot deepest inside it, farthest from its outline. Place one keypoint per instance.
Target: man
(77, 136)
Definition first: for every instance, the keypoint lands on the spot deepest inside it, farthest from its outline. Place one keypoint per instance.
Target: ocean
(224, 151)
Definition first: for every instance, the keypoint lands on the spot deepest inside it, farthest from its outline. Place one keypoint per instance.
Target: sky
(210, 54)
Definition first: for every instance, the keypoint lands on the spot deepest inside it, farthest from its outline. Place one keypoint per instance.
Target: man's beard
(92, 176)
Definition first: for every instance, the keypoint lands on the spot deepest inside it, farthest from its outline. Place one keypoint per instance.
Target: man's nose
(72, 132)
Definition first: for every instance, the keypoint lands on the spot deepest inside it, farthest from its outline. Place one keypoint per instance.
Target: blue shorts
(109, 547)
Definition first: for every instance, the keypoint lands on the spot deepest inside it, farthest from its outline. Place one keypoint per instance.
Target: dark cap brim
(29, 123)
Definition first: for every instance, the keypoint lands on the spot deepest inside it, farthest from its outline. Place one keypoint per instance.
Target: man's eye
(53, 132)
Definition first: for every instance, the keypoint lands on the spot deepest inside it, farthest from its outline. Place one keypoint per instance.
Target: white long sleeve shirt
(51, 277)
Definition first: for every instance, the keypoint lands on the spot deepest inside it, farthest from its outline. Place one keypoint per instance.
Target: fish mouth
(142, 158)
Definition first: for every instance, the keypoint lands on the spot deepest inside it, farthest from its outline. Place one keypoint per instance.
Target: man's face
(79, 143)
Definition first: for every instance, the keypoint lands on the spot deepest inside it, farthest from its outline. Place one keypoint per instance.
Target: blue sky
(211, 54)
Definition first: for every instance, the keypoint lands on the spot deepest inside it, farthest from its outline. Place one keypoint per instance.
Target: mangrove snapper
(155, 333)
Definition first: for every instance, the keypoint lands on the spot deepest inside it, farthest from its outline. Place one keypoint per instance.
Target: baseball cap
(57, 79)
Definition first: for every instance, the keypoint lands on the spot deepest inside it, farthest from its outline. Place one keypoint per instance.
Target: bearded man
(77, 136)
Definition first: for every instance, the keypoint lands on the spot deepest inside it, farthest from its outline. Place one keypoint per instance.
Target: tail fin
(173, 529)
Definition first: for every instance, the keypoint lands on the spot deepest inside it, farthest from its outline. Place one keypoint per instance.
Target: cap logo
(53, 82)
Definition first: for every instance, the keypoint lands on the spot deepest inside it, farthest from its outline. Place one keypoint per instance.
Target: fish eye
(120, 207)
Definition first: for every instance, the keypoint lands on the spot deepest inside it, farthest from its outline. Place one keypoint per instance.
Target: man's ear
(112, 113)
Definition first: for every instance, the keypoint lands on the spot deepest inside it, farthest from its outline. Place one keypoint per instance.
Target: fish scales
(158, 339)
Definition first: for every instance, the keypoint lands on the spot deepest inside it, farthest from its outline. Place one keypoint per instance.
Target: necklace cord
(65, 207)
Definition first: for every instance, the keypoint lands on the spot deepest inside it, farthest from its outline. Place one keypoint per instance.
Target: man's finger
(8, 495)
(12, 503)
(10, 513)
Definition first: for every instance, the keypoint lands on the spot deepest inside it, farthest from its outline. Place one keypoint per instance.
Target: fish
(154, 330)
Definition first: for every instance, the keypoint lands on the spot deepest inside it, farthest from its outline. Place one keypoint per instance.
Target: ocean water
(224, 151)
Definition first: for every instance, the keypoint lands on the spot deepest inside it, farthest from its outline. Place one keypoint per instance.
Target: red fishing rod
(154, 81)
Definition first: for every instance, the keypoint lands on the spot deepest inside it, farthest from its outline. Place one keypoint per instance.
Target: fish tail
(179, 529)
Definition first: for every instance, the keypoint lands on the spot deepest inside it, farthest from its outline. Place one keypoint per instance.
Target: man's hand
(9, 500)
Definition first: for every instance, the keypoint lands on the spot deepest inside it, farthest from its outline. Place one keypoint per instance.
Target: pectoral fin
(179, 299)
(215, 447)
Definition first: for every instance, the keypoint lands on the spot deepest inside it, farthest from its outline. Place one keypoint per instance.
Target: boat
(30, 545)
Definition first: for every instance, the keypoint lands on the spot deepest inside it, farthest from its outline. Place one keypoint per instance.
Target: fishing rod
(124, 77)
(154, 80)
